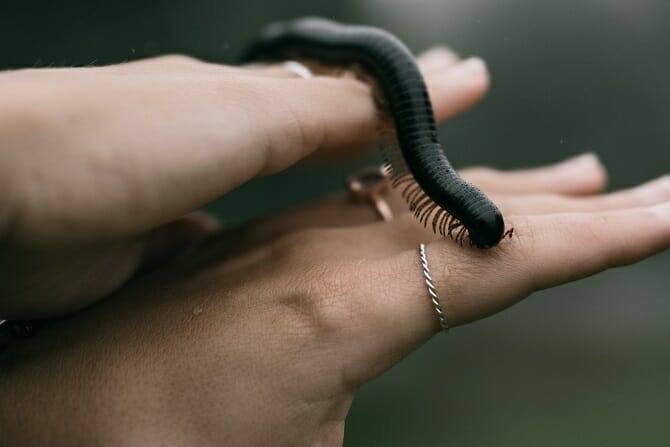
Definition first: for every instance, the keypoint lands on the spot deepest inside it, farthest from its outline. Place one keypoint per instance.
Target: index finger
(136, 150)
(471, 284)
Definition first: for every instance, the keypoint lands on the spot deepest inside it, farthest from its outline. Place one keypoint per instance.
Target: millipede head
(487, 230)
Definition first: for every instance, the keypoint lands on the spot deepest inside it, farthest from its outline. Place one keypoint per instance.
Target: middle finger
(341, 210)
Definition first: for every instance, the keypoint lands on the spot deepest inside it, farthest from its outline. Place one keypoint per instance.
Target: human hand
(265, 343)
(99, 165)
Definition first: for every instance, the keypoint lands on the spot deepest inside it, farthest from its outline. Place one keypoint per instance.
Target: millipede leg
(402, 179)
(436, 219)
(453, 226)
(426, 215)
(459, 235)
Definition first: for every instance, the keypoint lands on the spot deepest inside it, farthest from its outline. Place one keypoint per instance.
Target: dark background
(586, 364)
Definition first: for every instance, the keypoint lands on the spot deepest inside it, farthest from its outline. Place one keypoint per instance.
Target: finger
(406, 231)
(436, 59)
(567, 247)
(653, 192)
(453, 85)
(548, 188)
(457, 87)
(549, 250)
(579, 175)
(342, 210)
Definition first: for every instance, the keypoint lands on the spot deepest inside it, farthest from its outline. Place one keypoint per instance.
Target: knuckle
(517, 254)
(296, 132)
(524, 241)
(322, 300)
(607, 254)
(293, 132)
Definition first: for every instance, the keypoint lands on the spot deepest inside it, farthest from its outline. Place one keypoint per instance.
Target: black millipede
(435, 193)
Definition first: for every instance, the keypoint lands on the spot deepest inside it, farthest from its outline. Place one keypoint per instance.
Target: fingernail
(655, 190)
(588, 159)
(662, 211)
(437, 57)
(474, 64)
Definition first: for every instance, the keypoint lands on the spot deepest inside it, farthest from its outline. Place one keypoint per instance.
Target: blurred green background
(586, 364)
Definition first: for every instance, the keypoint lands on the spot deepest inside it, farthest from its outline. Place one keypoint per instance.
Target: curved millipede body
(434, 191)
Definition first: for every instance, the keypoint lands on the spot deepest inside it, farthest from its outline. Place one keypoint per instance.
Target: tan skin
(258, 336)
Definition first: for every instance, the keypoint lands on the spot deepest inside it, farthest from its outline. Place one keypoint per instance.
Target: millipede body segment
(436, 195)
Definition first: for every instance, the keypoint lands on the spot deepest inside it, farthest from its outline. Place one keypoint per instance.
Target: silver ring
(432, 291)
(298, 68)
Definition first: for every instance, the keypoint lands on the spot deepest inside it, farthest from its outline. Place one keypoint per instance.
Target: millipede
(437, 196)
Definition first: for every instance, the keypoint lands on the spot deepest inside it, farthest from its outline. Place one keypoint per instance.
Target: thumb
(45, 282)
